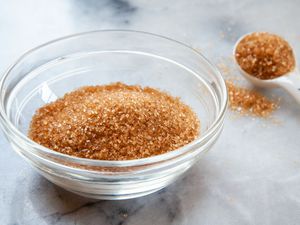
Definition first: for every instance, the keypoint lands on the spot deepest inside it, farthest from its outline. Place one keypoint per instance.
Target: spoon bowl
(289, 81)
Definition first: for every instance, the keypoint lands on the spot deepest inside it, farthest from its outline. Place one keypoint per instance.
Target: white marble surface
(251, 176)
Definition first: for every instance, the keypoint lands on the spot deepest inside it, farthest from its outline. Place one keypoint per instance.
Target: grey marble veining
(251, 176)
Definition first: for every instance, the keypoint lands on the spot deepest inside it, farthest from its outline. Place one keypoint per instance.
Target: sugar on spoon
(267, 60)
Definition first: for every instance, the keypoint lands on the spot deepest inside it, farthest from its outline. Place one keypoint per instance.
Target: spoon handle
(291, 83)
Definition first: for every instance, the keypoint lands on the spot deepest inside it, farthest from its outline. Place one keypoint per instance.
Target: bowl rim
(7, 124)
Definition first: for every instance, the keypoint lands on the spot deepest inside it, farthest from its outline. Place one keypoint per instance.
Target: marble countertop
(252, 174)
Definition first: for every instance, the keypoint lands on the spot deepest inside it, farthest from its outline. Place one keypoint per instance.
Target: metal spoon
(290, 81)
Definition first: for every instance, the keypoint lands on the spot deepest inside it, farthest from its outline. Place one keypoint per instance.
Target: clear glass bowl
(101, 57)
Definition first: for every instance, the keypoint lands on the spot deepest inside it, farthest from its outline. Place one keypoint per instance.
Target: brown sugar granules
(248, 101)
(265, 55)
(114, 122)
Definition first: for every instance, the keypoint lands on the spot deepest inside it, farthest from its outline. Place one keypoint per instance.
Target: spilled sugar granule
(249, 102)
(114, 122)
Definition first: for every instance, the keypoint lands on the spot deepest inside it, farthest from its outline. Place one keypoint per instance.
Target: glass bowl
(101, 57)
